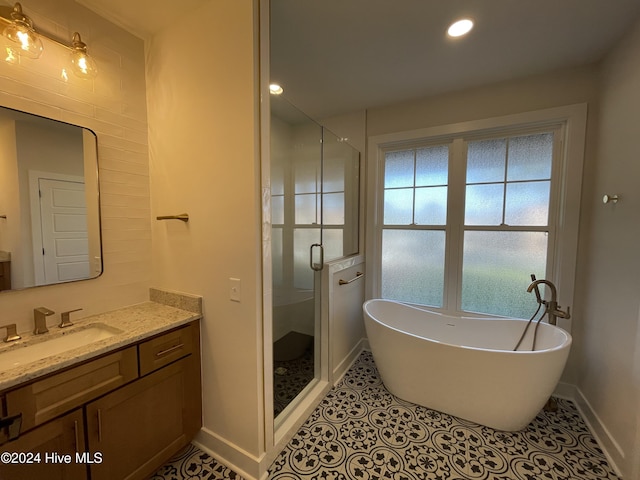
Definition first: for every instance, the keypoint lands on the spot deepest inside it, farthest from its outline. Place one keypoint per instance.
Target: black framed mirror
(49, 202)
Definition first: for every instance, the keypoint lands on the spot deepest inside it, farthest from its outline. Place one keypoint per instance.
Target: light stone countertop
(136, 323)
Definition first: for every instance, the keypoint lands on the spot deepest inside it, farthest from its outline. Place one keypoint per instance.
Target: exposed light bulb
(459, 28)
(23, 37)
(82, 64)
(275, 89)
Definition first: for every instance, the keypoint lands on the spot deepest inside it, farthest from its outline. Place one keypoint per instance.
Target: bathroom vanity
(115, 408)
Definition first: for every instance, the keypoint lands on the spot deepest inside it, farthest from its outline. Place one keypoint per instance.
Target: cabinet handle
(75, 431)
(162, 353)
(99, 425)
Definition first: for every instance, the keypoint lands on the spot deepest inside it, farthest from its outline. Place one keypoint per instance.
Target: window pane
(496, 271)
(527, 203)
(398, 169)
(307, 175)
(413, 266)
(530, 157)
(431, 206)
(486, 160)
(483, 204)
(333, 209)
(277, 264)
(277, 179)
(398, 206)
(306, 209)
(303, 238)
(432, 164)
(277, 210)
(332, 241)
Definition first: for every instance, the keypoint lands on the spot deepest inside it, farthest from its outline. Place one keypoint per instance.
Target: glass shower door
(296, 199)
(315, 212)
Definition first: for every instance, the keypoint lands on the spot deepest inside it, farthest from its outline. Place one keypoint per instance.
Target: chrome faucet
(12, 333)
(552, 308)
(40, 315)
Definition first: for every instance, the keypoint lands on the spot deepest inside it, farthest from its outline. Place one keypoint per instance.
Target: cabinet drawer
(166, 348)
(50, 397)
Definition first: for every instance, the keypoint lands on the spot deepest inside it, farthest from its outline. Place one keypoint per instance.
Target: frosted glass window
(277, 257)
(483, 204)
(530, 157)
(333, 165)
(413, 266)
(486, 161)
(496, 271)
(502, 193)
(432, 166)
(431, 206)
(333, 209)
(332, 239)
(398, 206)
(399, 169)
(303, 238)
(527, 203)
(307, 209)
(277, 180)
(277, 210)
(307, 177)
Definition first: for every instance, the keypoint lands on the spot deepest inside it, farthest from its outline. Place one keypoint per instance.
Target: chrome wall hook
(610, 199)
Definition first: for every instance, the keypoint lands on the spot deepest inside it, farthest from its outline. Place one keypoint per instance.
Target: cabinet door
(63, 437)
(139, 426)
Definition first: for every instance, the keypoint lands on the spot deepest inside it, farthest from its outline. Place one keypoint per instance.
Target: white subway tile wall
(113, 105)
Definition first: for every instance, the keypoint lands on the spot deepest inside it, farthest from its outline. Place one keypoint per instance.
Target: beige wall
(113, 105)
(610, 262)
(203, 124)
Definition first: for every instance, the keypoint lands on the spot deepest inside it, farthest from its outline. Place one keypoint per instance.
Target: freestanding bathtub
(464, 366)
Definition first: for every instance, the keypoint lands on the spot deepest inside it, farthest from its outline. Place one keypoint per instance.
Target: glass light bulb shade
(23, 40)
(83, 65)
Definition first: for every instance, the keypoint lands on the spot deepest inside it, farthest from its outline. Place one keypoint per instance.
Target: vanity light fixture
(21, 34)
(460, 28)
(24, 41)
(275, 89)
(82, 64)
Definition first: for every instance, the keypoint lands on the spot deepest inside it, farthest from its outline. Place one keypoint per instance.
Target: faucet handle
(65, 320)
(12, 332)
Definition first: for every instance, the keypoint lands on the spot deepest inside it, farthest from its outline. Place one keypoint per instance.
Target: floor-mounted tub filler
(466, 367)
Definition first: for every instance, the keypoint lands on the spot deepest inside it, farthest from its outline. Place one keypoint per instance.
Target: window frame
(566, 187)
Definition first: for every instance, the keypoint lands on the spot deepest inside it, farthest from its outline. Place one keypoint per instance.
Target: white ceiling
(336, 56)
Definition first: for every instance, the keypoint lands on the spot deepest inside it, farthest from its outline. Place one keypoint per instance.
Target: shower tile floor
(362, 432)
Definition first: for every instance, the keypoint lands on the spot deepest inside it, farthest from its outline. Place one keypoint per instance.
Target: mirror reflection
(49, 202)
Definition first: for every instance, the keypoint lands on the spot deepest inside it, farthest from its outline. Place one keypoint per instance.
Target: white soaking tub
(463, 366)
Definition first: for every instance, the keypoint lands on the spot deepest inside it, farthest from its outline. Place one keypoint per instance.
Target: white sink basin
(38, 349)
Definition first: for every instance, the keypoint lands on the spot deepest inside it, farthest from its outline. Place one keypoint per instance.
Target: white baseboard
(612, 451)
(342, 367)
(230, 455)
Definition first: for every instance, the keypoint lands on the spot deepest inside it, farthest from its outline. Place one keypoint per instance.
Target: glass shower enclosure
(314, 203)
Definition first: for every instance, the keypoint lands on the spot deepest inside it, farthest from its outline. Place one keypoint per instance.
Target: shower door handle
(316, 266)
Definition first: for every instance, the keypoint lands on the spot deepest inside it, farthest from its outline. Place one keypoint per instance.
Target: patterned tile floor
(362, 432)
(289, 379)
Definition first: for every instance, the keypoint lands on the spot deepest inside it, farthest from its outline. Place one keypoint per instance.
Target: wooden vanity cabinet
(142, 424)
(62, 436)
(134, 409)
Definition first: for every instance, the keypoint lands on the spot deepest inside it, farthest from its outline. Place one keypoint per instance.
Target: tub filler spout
(551, 306)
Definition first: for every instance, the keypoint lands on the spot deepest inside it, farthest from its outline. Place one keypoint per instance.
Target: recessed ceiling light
(275, 89)
(459, 28)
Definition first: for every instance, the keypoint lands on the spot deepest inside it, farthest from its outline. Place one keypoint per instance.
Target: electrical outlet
(234, 289)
